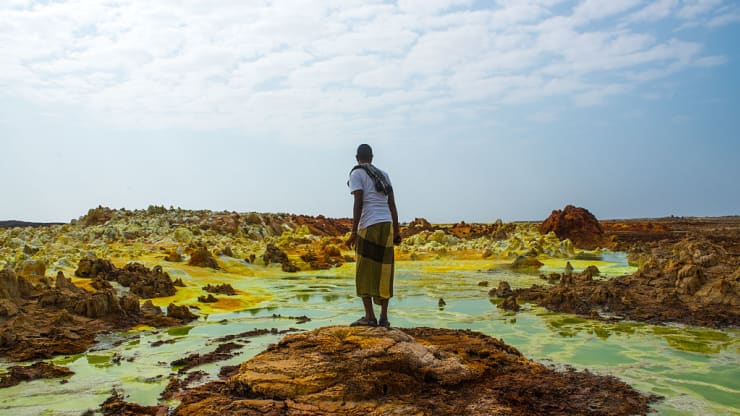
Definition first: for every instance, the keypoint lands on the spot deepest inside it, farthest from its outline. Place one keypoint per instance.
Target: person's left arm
(394, 217)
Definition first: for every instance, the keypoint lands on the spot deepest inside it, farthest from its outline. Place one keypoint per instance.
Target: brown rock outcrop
(17, 374)
(149, 308)
(93, 267)
(9, 285)
(34, 271)
(322, 226)
(7, 308)
(98, 305)
(526, 263)
(509, 304)
(466, 231)
(378, 371)
(275, 255)
(416, 226)
(144, 282)
(41, 333)
(207, 299)
(181, 312)
(115, 405)
(222, 352)
(97, 216)
(14, 288)
(173, 256)
(691, 282)
(201, 257)
(130, 304)
(502, 291)
(65, 285)
(66, 319)
(576, 224)
(223, 289)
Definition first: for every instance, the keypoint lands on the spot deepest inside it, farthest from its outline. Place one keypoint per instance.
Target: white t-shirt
(374, 204)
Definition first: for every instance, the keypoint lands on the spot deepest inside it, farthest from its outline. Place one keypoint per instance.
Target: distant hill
(14, 223)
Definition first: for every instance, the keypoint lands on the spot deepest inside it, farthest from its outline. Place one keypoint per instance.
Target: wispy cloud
(289, 67)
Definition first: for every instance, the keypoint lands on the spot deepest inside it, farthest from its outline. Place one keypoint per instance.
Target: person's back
(375, 207)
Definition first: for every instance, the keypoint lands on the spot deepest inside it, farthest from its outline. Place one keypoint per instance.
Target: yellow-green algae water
(697, 370)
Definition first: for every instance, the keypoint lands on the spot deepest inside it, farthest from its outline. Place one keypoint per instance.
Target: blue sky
(478, 109)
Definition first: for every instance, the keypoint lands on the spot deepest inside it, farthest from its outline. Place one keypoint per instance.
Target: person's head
(364, 153)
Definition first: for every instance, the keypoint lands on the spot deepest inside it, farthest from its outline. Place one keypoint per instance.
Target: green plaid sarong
(374, 272)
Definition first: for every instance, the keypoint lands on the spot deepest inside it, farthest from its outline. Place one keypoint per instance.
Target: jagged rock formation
(181, 312)
(416, 226)
(378, 371)
(33, 271)
(693, 281)
(201, 257)
(65, 319)
(144, 282)
(207, 299)
(576, 224)
(275, 255)
(92, 267)
(97, 216)
(224, 289)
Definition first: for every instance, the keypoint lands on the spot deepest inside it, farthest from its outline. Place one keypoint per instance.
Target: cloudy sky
(478, 109)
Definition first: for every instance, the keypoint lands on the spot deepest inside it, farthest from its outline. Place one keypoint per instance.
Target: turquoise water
(696, 370)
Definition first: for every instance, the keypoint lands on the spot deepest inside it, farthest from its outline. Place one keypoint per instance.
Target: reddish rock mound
(323, 226)
(576, 224)
(416, 226)
(378, 371)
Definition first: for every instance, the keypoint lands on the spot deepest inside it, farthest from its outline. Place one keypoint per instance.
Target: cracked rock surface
(343, 370)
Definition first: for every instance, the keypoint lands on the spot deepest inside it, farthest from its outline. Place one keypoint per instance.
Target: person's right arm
(356, 214)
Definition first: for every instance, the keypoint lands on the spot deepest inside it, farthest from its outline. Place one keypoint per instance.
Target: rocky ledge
(39, 321)
(377, 371)
(693, 281)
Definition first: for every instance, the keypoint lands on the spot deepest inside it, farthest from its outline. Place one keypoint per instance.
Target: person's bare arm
(394, 216)
(356, 213)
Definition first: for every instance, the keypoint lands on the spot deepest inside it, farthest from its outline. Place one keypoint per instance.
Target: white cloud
(442, 51)
(430, 6)
(590, 10)
(655, 10)
(692, 8)
(710, 61)
(724, 19)
(598, 95)
(337, 64)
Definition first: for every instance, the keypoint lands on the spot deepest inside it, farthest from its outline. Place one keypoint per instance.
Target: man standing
(374, 232)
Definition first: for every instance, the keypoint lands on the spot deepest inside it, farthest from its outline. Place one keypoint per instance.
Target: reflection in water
(695, 369)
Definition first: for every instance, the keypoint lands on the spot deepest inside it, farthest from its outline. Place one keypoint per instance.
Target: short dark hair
(364, 152)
